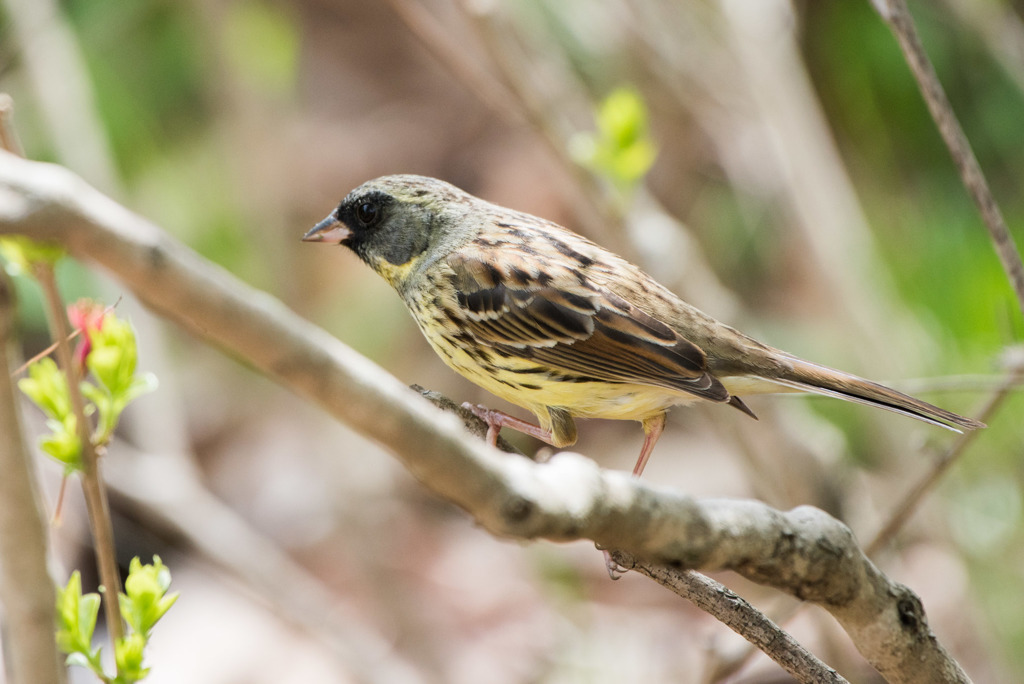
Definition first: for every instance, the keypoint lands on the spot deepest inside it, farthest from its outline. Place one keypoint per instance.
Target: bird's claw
(615, 571)
(478, 410)
(491, 418)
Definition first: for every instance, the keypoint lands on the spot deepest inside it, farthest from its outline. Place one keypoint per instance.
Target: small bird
(550, 321)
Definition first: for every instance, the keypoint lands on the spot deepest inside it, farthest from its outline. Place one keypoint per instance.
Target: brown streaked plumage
(552, 322)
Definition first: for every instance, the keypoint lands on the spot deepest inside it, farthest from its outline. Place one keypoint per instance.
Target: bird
(548, 320)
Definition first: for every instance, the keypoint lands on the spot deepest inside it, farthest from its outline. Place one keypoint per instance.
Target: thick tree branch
(804, 552)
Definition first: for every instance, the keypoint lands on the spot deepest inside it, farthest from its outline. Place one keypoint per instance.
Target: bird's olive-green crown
(396, 220)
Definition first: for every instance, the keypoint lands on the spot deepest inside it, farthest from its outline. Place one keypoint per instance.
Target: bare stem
(92, 486)
(897, 16)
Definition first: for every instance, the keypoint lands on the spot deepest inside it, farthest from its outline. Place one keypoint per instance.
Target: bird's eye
(368, 213)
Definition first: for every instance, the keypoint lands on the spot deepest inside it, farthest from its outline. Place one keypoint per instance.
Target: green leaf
(76, 622)
(622, 118)
(68, 598)
(47, 387)
(96, 395)
(113, 359)
(622, 149)
(145, 600)
(106, 407)
(114, 355)
(63, 444)
(88, 610)
(128, 655)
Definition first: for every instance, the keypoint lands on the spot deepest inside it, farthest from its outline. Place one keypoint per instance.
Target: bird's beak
(330, 230)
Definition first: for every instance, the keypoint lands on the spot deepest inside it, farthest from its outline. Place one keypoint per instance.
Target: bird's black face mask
(372, 226)
(381, 231)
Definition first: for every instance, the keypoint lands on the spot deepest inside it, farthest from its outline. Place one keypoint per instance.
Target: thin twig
(92, 487)
(737, 614)
(44, 353)
(897, 16)
(58, 507)
(723, 667)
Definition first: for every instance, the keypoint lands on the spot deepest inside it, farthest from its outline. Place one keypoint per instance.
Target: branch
(92, 481)
(26, 590)
(897, 16)
(804, 552)
(734, 612)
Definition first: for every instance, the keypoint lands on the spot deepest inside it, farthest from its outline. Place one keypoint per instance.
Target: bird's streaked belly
(524, 383)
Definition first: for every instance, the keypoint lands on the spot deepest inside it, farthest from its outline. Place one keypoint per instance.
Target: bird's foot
(615, 571)
(487, 415)
(498, 419)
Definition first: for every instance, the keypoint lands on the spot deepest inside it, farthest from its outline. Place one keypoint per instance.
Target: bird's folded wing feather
(561, 320)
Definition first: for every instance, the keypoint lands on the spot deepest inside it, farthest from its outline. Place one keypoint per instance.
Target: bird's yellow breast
(535, 387)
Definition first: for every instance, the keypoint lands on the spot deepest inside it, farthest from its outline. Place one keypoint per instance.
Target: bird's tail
(809, 377)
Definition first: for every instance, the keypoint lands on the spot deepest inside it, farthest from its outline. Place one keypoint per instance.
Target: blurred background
(787, 180)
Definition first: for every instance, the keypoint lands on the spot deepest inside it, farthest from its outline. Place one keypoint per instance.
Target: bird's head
(394, 222)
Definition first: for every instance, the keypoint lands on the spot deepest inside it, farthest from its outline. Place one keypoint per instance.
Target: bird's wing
(558, 318)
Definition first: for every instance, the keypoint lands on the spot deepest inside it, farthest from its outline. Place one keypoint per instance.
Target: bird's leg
(653, 427)
(498, 419)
